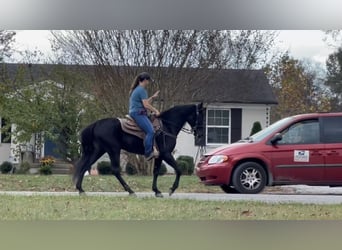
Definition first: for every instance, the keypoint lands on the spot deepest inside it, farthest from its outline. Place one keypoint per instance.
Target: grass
(38, 207)
(129, 208)
(99, 183)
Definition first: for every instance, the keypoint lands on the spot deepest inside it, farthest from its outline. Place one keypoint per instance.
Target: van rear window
(332, 129)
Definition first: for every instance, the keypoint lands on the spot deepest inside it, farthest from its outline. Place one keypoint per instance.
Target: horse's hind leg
(84, 165)
(115, 160)
(172, 162)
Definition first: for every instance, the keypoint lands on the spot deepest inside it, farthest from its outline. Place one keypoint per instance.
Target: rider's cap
(145, 76)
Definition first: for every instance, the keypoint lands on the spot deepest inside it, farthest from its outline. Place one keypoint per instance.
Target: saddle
(129, 126)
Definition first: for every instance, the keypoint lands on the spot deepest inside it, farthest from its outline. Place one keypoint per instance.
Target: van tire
(249, 178)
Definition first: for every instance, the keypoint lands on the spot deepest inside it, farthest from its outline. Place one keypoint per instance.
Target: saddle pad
(129, 126)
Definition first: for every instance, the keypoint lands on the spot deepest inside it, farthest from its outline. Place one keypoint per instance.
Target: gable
(234, 86)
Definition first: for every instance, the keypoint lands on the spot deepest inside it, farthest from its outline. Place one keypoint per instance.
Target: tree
(6, 40)
(174, 58)
(333, 38)
(297, 88)
(256, 128)
(54, 104)
(334, 77)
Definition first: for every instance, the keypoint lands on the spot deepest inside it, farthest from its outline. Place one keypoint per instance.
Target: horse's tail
(87, 147)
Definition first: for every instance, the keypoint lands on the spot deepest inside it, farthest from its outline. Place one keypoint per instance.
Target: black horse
(106, 135)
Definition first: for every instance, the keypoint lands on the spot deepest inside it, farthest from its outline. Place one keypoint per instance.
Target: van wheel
(249, 178)
(228, 189)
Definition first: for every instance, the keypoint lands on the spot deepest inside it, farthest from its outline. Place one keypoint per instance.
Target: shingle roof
(234, 86)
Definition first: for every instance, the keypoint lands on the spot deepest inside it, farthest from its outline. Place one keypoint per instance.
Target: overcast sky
(302, 44)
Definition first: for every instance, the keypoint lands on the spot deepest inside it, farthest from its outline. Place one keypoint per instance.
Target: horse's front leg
(172, 162)
(157, 165)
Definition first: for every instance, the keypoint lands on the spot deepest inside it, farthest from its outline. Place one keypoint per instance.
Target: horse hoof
(132, 194)
(159, 195)
(171, 191)
(82, 193)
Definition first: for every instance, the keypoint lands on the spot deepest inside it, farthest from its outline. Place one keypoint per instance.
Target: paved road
(288, 194)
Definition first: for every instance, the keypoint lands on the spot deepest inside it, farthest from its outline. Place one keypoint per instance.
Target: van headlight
(215, 159)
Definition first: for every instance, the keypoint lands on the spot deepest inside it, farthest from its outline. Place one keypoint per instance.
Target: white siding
(250, 114)
(253, 114)
(185, 144)
(4, 152)
(5, 149)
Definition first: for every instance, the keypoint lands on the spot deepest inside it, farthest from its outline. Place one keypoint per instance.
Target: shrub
(131, 169)
(183, 166)
(190, 165)
(46, 165)
(47, 160)
(256, 128)
(24, 168)
(6, 167)
(45, 169)
(104, 168)
(162, 170)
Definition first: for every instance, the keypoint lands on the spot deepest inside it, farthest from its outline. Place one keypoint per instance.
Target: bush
(104, 168)
(256, 128)
(6, 167)
(183, 166)
(188, 167)
(24, 168)
(45, 169)
(162, 170)
(131, 169)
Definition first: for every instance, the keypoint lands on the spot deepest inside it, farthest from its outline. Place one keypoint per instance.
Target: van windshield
(269, 130)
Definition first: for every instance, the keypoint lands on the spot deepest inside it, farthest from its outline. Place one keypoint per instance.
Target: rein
(185, 130)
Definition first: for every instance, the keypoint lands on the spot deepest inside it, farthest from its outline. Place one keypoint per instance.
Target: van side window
(332, 129)
(303, 132)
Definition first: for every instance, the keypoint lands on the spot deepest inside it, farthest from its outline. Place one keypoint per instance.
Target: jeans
(145, 124)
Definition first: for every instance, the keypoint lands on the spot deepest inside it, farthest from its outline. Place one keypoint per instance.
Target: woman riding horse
(107, 136)
(139, 103)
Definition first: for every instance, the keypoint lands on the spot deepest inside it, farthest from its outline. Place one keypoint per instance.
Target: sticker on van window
(301, 155)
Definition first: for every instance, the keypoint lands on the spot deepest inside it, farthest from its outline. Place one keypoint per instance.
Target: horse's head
(196, 121)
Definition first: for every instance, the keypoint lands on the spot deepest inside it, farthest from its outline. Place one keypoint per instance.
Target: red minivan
(302, 149)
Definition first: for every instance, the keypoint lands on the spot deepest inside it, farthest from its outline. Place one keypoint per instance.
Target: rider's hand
(156, 113)
(155, 95)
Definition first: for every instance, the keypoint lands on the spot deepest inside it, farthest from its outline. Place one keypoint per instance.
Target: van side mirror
(277, 137)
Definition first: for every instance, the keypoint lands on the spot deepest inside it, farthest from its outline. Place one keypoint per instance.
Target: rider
(139, 103)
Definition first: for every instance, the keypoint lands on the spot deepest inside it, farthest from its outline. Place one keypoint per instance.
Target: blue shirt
(135, 100)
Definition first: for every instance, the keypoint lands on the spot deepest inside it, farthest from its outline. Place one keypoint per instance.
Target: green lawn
(130, 208)
(99, 183)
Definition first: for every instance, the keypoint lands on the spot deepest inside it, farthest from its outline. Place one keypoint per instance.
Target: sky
(302, 44)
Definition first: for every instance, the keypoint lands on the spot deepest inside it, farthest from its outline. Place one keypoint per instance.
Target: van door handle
(316, 153)
(333, 152)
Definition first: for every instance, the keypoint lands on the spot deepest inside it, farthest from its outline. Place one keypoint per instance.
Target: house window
(5, 132)
(218, 126)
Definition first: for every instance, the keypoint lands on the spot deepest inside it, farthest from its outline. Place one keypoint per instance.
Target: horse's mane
(174, 110)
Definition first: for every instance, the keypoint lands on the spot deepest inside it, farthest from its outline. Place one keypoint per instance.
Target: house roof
(234, 86)
(213, 86)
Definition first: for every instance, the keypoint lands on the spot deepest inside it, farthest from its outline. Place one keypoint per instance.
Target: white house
(233, 100)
